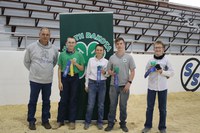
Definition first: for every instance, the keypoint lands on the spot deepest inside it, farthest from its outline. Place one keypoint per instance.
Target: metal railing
(170, 44)
(17, 33)
(26, 36)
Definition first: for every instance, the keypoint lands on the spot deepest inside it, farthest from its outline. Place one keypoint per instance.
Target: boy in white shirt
(157, 83)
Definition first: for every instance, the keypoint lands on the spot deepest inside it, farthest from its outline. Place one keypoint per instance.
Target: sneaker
(100, 126)
(108, 128)
(46, 125)
(146, 130)
(163, 131)
(71, 126)
(86, 126)
(58, 125)
(124, 128)
(32, 126)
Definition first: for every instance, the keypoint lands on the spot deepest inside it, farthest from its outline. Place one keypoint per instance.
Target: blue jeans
(95, 88)
(34, 93)
(114, 94)
(162, 102)
(68, 98)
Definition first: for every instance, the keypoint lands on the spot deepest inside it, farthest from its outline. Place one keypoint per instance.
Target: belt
(96, 80)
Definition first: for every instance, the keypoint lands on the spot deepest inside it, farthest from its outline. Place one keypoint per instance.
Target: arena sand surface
(183, 116)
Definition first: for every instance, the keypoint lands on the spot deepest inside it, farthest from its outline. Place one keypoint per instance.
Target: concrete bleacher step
(5, 41)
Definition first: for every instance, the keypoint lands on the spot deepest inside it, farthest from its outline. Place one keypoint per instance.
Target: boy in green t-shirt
(68, 81)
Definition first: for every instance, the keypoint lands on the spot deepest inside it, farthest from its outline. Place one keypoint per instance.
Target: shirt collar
(97, 59)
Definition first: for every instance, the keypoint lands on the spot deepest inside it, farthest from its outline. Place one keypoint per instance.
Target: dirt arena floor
(183, 116)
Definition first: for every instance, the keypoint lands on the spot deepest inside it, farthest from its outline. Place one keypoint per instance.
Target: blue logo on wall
(190, 74)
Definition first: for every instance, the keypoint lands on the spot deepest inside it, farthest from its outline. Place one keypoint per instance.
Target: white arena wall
(14, 83)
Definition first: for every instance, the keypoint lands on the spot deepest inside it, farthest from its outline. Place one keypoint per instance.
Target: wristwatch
(130, 82)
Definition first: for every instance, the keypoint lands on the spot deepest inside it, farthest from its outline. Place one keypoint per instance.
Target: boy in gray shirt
(40, 59)
(118, 67)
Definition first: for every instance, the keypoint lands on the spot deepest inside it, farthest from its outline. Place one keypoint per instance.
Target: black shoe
(124, 128)
(32, 126)
(108, 128)
(163, 131)
(100, 126)
(86, 126)
(46, 125)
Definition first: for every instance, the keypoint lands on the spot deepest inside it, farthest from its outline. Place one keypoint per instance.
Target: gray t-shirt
(125, 64)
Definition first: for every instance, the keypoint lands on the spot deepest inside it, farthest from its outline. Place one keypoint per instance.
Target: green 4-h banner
(89, 29)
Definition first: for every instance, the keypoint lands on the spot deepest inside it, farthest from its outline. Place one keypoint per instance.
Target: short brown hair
(99, 45)
(160, 42)
(71, 37)
(119, 39)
